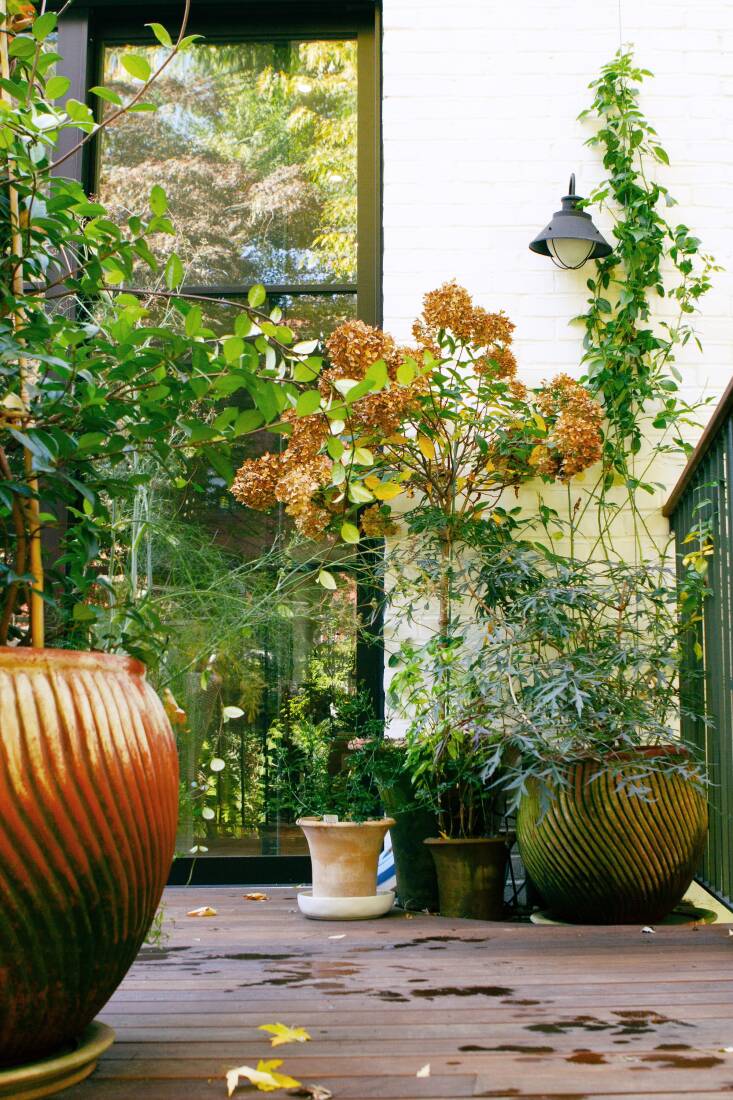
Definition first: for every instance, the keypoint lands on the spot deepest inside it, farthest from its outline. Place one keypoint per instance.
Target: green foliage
(326, 767)
(581, 664)
(96, 390)
(448, 748)
(630, 357)
(158, 935)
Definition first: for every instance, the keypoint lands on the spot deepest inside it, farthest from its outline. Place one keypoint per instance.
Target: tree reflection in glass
(255, 144)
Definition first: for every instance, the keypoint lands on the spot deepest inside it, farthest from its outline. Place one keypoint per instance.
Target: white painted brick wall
(481, 134)
(480, 137)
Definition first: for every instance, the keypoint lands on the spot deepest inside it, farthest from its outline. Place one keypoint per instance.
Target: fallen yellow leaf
(263, 1078)
(204, 911)
(256, 897)
(282, 1034)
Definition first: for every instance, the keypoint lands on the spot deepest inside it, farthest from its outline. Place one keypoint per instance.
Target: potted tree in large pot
(418, 445)
(88, 763)
(581, 681)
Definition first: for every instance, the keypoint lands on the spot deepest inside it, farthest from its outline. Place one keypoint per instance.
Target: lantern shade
(571, 238)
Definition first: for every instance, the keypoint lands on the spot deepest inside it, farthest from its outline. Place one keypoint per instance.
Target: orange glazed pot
(88, 809)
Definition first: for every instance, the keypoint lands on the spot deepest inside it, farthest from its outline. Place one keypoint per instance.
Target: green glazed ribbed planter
(471, 873)
(601, 855)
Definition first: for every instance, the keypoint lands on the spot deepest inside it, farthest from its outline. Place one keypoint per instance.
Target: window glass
(255, 145)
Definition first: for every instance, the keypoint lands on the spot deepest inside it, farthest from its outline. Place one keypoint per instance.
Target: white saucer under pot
(377, 905)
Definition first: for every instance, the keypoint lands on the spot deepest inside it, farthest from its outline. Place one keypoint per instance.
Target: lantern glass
(570, 252)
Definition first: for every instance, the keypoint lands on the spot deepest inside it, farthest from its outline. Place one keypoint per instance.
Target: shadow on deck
(495, 1010)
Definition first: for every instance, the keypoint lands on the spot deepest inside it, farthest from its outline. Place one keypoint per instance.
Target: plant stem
(32, 505)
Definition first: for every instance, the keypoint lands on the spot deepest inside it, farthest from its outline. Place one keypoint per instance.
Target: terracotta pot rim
(453, 840)
(319, 823)
(23, 656)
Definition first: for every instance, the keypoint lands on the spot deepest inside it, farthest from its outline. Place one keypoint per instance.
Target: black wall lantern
(571, 237)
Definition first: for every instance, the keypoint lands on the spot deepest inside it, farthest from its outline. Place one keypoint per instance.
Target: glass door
(259, 144)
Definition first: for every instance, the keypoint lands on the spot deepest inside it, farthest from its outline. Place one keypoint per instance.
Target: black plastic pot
(417, 885)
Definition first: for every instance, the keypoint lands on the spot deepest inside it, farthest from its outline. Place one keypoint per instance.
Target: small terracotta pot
(471, 875)
(344, 855)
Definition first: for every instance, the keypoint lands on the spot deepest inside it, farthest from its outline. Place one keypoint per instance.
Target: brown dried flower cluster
(500, 362)
(451, 307)
(575, 441)
(298, 477)
(291, 478)
(352, 348)
(376, 524)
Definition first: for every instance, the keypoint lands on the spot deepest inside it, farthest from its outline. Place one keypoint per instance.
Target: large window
(255, 143)
(266, 141)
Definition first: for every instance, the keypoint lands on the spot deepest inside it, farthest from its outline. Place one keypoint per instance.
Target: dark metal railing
(700, 511)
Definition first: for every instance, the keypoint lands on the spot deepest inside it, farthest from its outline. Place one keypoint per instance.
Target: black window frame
(83, 31)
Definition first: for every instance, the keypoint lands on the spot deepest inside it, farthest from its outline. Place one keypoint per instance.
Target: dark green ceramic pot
(602, 855)
(471, 874)
(417, 886)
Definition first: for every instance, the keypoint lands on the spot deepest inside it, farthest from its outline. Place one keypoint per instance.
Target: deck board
(497, 1010)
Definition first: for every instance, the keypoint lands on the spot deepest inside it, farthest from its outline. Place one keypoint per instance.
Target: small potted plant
(447, 749)
(334, 800)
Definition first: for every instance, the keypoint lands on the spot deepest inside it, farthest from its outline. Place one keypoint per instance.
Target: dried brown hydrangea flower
(299, 477)
(256, 482)
(376, 524)
(291, 478)
(451, 309)
(575, 441)
(353, 347)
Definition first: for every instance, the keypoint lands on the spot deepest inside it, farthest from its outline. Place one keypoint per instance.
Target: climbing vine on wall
(628, 355)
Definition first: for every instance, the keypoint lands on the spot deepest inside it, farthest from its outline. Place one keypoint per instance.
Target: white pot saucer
(377, 905)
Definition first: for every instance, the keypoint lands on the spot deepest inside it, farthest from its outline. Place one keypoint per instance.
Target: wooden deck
(495, 1010)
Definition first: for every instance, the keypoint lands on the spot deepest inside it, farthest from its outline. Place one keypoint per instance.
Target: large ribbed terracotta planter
(88, 806)
(600, 855)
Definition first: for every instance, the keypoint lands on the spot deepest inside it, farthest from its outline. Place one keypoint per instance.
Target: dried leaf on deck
(256, 896)
(282, 1034)
(203, 911)
(265, 1078)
